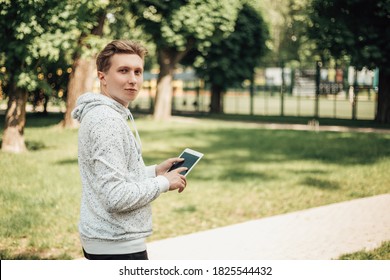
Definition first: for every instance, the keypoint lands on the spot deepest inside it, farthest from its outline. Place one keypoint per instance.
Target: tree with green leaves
(227, 63)
(358, 29)
(27, 38)
(177, 27)
(89, 21)
(97, 22)
(287, 21)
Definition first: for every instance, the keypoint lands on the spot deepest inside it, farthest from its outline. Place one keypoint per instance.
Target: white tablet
(191, 158)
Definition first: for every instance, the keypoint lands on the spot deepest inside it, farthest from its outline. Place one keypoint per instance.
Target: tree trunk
(163, 105)
(15, 120)
(167, 60)
(216, 99)
(80, 81)
(383, 105)
(82, 78)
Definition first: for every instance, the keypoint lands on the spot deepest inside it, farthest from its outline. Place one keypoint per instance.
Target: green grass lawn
(381, 253)
(247, 173)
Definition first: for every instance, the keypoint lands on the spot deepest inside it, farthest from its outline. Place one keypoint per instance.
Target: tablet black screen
(189, 160)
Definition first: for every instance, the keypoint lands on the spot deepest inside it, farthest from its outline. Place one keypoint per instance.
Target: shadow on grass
(69, 161)
(43, 120)
(249, 145)
(244, 155)
(35, 145)
(241, 173)
(32, 145)
(186, 209)
(244, 148)
(38, 119)
(320, 183)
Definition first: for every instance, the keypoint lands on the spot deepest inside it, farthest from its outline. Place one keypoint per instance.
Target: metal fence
(299, 96)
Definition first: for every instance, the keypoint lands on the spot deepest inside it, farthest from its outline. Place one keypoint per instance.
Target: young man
(115, 214)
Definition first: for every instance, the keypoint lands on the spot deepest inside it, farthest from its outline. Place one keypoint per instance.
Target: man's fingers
(181, 169)
(178, 159)
(184, 182)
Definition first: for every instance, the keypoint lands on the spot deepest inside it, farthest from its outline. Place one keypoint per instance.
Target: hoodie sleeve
(151, 171)
(121, 180)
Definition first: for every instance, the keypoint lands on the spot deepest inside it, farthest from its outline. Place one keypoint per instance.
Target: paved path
(320, 233)
(320, 127)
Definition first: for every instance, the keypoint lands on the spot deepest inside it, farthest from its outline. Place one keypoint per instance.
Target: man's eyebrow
(130, 67)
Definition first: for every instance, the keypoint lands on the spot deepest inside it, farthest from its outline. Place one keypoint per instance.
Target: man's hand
(176, 180)
(163, 167)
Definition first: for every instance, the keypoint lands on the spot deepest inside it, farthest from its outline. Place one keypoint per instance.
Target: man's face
(124, 79)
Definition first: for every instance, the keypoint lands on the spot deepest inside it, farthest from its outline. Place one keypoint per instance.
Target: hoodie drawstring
(138, 139)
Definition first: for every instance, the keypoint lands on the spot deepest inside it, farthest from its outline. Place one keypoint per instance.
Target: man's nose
(132, 78)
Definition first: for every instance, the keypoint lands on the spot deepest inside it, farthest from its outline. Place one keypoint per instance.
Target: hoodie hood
(88, 101)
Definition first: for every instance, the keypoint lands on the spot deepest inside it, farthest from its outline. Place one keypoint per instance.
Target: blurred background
(295, 58)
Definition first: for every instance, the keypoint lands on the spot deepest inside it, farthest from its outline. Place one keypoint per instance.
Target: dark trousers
(134, 256)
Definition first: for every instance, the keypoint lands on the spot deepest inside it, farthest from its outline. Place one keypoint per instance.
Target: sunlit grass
(381, 253)
(247, 173)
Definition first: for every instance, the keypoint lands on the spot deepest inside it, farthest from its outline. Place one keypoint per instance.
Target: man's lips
(131, 89)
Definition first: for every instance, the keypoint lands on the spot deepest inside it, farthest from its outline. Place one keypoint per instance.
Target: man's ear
(101, 77)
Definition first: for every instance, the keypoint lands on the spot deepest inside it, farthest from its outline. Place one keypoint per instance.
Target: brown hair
(103, 61)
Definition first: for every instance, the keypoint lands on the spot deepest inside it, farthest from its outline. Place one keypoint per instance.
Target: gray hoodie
(115, 214)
